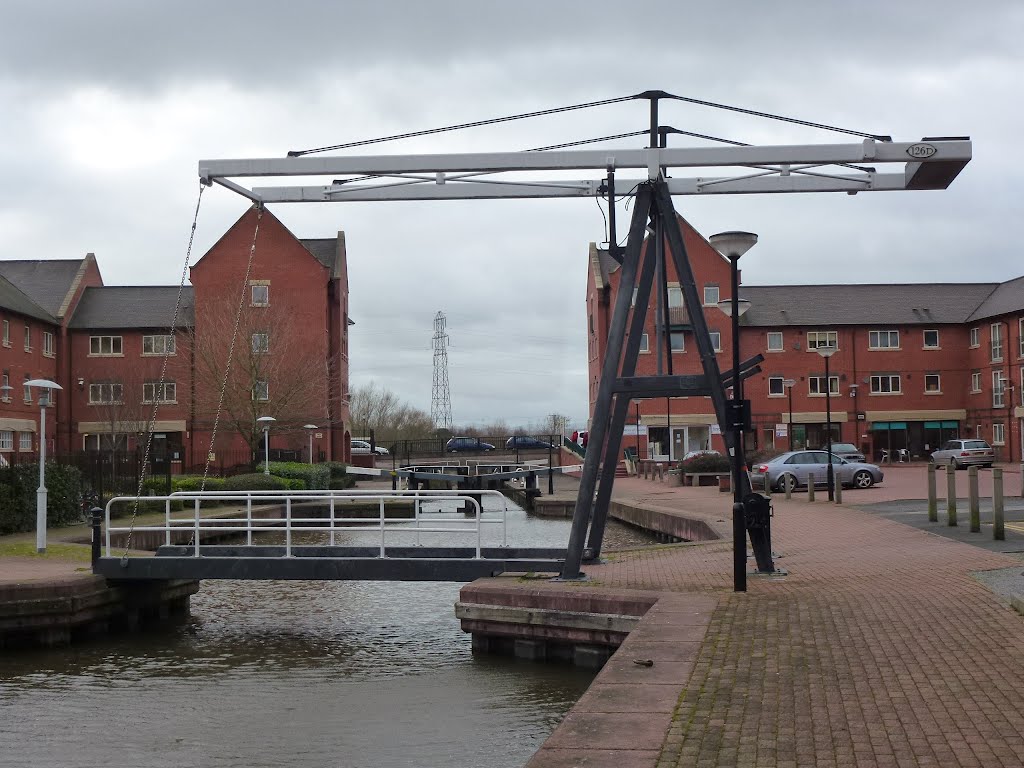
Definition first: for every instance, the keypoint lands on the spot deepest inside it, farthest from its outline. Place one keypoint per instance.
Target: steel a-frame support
(653, 201)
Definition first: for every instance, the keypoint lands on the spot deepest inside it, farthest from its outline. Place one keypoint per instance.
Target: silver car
(963, 453)
(794, 469)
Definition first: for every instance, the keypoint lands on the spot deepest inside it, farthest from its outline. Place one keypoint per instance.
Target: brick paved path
(879, 648)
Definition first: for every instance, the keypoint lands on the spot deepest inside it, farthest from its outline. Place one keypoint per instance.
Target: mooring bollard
(933, 495)
(973, 502)
(810, 487)
(950, 495)
(786, 487)
(837, 491)
(998, 531)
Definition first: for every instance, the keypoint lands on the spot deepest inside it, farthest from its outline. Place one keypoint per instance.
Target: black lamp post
(827, 352)
(732, 245)
(789, 384)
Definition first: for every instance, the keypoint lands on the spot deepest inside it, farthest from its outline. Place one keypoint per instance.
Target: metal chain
(163, 373)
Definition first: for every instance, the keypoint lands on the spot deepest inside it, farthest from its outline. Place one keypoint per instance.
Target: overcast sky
(107, 107)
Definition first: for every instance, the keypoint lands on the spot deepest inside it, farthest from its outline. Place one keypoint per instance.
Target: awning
(18, 425)
(883, 426)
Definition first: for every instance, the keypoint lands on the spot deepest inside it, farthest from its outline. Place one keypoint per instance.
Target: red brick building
(916, 364)
(113, 350)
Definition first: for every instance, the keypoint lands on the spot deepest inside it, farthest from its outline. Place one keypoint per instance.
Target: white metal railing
(332, 523)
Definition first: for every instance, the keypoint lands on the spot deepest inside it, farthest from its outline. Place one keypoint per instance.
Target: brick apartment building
(916, 364)
(107, 345)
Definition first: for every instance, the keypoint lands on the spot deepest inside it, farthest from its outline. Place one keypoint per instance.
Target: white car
(363, 447)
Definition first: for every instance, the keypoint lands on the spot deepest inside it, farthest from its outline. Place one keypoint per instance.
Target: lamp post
(266, 421)
(788, 384)
(827, 352)
(310, 428)
(732, 245)
(45, 396)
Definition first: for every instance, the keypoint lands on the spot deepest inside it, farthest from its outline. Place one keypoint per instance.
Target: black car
(526, 443)
(468, 445)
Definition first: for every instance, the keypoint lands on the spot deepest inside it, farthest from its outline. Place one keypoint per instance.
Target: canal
(293, 674)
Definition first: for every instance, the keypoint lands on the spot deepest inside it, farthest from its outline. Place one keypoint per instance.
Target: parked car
(962, 453)
(793, 468)
(526, 443)
(467, 444)
(847, 451)
(363, 447)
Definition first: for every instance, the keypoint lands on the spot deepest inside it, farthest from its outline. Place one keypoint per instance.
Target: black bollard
(96, 523)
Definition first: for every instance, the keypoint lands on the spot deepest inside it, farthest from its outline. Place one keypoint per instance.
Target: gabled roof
(46, 281)
(901, 304)
(14, 300)
(1007, 297)
(134, 306)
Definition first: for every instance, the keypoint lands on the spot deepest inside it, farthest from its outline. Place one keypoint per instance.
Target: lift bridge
(422, 546)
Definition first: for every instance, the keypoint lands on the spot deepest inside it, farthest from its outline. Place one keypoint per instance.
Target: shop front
(911, 435)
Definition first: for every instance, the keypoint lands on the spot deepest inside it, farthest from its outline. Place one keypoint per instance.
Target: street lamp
(266, 421)
(827, 352)
(788, 384)
(732, 245)
(44, 400)
(310, 428)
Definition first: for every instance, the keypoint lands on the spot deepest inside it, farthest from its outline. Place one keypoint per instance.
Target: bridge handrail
(211, 524)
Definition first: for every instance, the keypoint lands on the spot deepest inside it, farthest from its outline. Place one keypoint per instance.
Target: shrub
(337, 469)
(705, 462)
(314, 476)
(764, 454)
(255, 482)
(342, 483)
(18, 486)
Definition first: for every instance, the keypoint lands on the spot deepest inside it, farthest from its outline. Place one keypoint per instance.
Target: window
(816, 385)
(997, 342)
(884, 340)
(976, 381)
(775, 341)
(261, 294)
(48, 344)
(998, 390)
(6, 381)
(711, 295)
(998, 434)
(716, 340)
(105, 345)
(675, 297)
(931, 339)
(105, 393)
(152, 392)
(28, 338)
(932, 383)
(644, 343)
(25, 441)
(158, 345)
(975, 337)
(885, 384)
(261, 342)
(775, 386)
(632, 302)
(817, 339)
(7, 333)
(1020, 337)
(678, 341)
(6, 440)
(27, 389)
(261, 389)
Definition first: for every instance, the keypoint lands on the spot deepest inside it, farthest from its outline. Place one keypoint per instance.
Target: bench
(705, 478)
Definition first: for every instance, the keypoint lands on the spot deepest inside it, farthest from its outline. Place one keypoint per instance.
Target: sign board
(318, 435)
(782, 430)
(716, 429)
(632, 430)
(212, 457)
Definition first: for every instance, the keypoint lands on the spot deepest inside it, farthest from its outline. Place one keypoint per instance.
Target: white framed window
(105, 393)
(26, 389)
(632, 302)
(25, 441)
(105, 346)
(162, 344)
(260, 294)
(261, 343)
(675, 297)
(932, 384)
(975, 337)
(711, 295)
(6, 381)
(998, 390)
(261, 390)
(48, 348)
(7, 333)
(816, 385)
(998, 434)
(153, 393)
(931, 339)
(817, 339)
(775, 386)
(886, 384)
(883, 340)
(645, 343)
(28, 338)
(6, 440)
(716, 340)
(775, 341)
(1020, 337)
(976, 381)
(678, 341)
(997, 342)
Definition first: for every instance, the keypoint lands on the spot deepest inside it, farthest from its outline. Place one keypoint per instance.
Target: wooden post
(950, 494)
(998, 531)
(810, 487)
(973, 502)
(837, 490)
(785, 487)
(933, 503)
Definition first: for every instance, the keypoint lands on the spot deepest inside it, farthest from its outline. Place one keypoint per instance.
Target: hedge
(705, 462)
(255, 482)
(18, 485)
(313, 476)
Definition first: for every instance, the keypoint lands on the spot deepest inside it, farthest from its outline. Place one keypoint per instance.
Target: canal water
(293, 674)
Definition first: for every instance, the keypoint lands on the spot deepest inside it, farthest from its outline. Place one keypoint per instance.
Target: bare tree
(372, 407)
